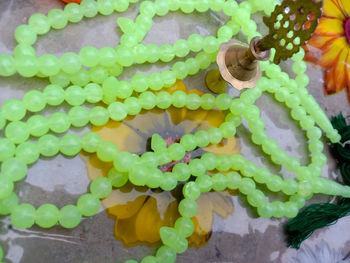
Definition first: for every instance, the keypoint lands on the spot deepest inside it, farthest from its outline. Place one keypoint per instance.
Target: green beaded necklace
(100, 83)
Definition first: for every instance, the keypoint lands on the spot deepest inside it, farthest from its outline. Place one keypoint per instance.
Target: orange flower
(139, 212)
(330, 45)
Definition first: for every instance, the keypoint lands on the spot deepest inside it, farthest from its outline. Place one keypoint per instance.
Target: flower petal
(123, 205)
(329, 84)
(339, 70)
(319, 41)
(331, 52)
(345, 6)
(330, 27)
(331, 8)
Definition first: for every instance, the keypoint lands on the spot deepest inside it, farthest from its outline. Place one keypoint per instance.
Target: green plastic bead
(138, 175)
(61, 79)
(98, 116)
(93, 93)
(184, 226)
(81, 78)
(166, 254)
(181, 71)
(70, 145)
(78, 116)
(210, 44)
(191, 190)
(7, 149)
(123, 89)
(181, 48)
(279, 209)
(158, 143)
(8, 204)
(266, 210)
(290, 186)
(57, 18)
(246, 186)
(204, 182)
(88, 204)
(107, 151)
(223, 101)
(154, 178)
(193, 101)
(147, 100)
(224, 163)
(47, 216)
(189, 142)
(69, 216)
(195, 42)
(202, 138)
(162, 7)
(89, 56)
(149, 259)
(101, 187)
(34, 101)
(228, 129)
(91, 141)
(118, 179)
(210, 161)
(117, 111)
(7, 65)
(181, 171)
(188, 208)
(176, 151)
(27, 66)
(48, 145)
(49, 65)
(215, 135)
(291, 209)
(17, 132)
(39, 23)
(219, 182)
(274, 183)
(304, 189)
(59, 122)
(70, 62)
(89, 8)
(132, 105)
(197, 167)
(139, 82)
(186, 6)
(192, 65)
(23, 216)
(54, 94)
(75, 95)
(6, 187)
(73, 12)
(167, 53)
(179, 99)
(169, 182)
(28, 152)
(13, 110)
(38, 125)
(155, 81)
(124, 56)
(256, 198)
(25, 34)
(233, 180)
(208, 101)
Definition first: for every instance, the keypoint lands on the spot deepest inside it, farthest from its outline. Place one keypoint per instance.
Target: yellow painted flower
(139, 212)
(330, 45)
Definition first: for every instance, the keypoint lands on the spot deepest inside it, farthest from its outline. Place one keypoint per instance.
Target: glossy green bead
(299, 67)
(89, 56)
(163, 100)
(314, 133)
(107, 56)
(147, 8)
(98, 116)
(90, 142)
(39, 23)
(252, 113)
(167, 53)
(169, 182)
(223, 101)
(101, 187)
(270, 146)
(25, 34)
(302, 80)
(233, 180)
(74, 12)
(23, 216)
(105, 7)
(89, 8)
(6, 187)
(147, 100)
(291, 209)
(228, 130)
(124, 56)
(225, 33)
(28, 152)
(7, 65)
(8, 204)
(118, 179)
(78, 116)
(223, 163)
(298, 200)
(316, 146)
(202, 138)
(219, 182)
(49, 65)
(98, 74)
(237, 107)
(154, 178)
(38, 125)
(69, 216)
(182, 171)
(7, 149)
(57, 18)
(204, 183)
(179, 99)
(168, 78)
(162, 7)
(186, 6)
(176, 151)
(197, 167)
(165, 254)
(210, 44)
(17, 132)
(203, 60)
(184, 226)
(191, 190)
(180, 69)
(132, 105)
(181, 48)
(140, 54)
(155, 81)
(304, 189)
(279, 209)
(107, 151)
(123, 89)
(48, 145)
(93, 93)
(210, 161)
(289, 186)
(266, 210)
(195, 42)
(54, 94)
(46, 216)
(256, 198)
(27, 66)
(117, 111)
(189, 142)
(34, 101)
(70, 62)
(192, 65)
(279, 157)
(138, 175)
(88, 204)
(59, 122)
(74, 95)
(208, 101)
(70, 144)
(139, 82)
(237, 161)
(193, 101)
(188, 208)
(274, 183)
(246, 185)
(13, 110)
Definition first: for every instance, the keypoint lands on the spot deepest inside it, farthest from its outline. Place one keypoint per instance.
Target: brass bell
(238, 65)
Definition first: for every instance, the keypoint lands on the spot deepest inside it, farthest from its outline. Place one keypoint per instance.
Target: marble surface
(242, 238)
